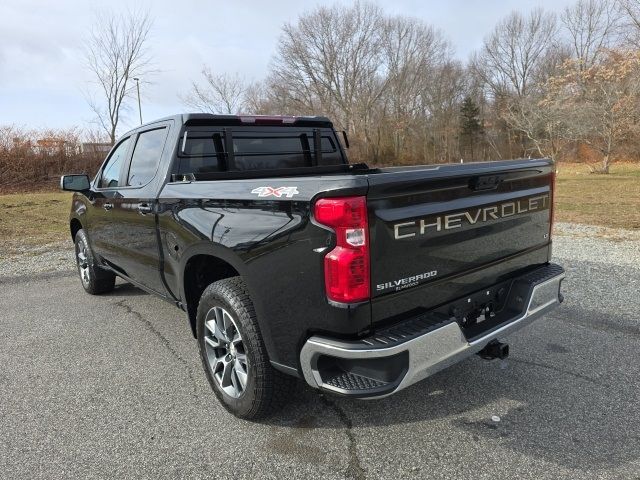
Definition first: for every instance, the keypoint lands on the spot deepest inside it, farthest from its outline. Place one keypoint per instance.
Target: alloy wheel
(83, 262)
(225, 352)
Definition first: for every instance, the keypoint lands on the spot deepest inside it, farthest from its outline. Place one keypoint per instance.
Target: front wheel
(95, 280)
(233, 354)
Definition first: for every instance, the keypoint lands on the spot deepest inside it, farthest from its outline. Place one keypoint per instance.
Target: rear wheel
(95, 280)
(233, 354)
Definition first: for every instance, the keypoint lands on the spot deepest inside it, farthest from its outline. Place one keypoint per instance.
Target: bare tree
(438, 123)
(593, 26)
(368, 71)
(413, 50)
(631, 20)
(540, 117)
(256, 99)
(602, 103)
(510, 54)
(223, 93)
(330, 60)
(115, 54)
(549, 65)
(543, 120)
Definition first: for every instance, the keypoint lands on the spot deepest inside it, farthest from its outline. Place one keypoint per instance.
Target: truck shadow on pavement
(125, 289)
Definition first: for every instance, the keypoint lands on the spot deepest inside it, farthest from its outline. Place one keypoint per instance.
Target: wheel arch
(201, 266)
(74, 226)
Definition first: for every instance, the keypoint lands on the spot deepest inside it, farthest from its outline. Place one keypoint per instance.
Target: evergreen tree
(470, 126)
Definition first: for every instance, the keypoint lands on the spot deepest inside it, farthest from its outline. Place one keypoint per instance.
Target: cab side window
(111, 171)
(146, 157)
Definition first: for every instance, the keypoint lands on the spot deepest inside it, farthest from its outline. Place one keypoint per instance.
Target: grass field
(611, 200)
(605, 200)
(30, 219)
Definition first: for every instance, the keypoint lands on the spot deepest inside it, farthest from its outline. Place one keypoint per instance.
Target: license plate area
(481, 310)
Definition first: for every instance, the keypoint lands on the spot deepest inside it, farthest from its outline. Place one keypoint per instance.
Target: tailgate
(438, 233)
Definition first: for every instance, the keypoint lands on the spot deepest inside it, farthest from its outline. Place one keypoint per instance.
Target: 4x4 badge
(276, 192)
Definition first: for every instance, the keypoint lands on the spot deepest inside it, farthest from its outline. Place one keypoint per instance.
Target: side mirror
(75, 183)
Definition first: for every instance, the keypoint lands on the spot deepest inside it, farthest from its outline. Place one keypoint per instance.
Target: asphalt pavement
(112, 387)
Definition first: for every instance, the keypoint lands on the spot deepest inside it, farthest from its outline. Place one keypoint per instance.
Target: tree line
(564, 86)
(35, 158)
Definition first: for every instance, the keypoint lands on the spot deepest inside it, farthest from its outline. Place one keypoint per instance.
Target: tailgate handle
(486, 182)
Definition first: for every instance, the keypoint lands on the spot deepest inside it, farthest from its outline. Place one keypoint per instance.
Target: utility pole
(139, 107)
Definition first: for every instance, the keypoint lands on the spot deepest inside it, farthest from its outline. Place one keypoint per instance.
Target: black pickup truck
(291, 262)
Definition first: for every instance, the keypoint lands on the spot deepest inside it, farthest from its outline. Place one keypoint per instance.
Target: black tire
(94, 280)
(266, 389)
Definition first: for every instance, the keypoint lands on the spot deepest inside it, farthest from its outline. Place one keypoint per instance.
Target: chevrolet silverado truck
(292, 263)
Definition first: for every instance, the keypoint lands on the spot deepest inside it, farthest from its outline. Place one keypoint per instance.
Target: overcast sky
(42, 78)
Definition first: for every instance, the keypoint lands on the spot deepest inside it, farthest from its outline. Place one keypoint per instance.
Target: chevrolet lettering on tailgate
(470, 217)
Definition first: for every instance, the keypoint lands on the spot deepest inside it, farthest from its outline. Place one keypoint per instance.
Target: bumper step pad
(352, 381)
(405, 331)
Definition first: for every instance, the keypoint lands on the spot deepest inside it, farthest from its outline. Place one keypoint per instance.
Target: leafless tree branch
(223, 93)
(115, 54)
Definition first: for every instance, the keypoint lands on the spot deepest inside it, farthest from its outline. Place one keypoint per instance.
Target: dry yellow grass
(607, 200)
(34, 219)
(611, 200)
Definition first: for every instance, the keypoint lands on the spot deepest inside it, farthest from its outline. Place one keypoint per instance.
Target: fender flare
(212, 250)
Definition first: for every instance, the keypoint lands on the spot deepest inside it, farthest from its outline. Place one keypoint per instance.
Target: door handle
(108, 206)
(144, 208)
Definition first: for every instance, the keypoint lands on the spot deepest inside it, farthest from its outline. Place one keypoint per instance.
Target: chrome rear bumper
(442, 344)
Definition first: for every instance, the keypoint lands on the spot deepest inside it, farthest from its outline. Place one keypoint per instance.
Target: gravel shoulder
(601, 245)
(28, 260)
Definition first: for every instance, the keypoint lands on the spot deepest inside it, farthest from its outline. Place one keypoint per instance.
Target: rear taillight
(346, 267)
